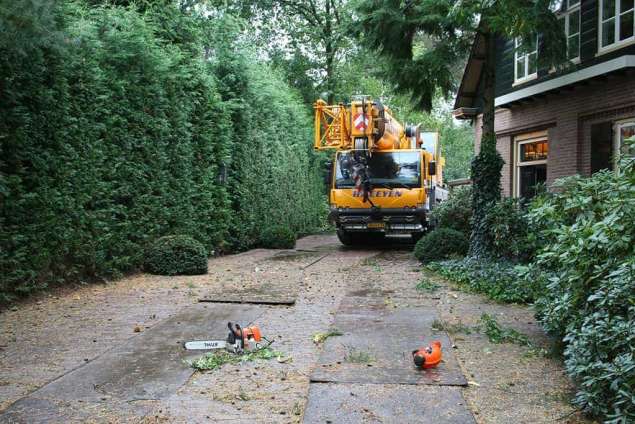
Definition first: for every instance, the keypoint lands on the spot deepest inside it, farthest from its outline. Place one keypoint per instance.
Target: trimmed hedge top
(176, 255)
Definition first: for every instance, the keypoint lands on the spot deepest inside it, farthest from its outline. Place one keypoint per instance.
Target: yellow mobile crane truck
(384, 179)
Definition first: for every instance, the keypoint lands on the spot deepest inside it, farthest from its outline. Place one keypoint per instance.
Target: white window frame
(517, 56)
(617, 139)
(519, 141)
(617, 43)
(566, 15)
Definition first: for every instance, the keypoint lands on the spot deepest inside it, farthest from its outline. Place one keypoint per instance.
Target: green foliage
(498, 334)
(508, 230)
(587, 269)
(358, 356)
(217, 359)
(441, 244)
(451, 328)
(423, 41)
(498, 280)
(456, 212)
(320, 338)
(277, 237)
(427, 285)
(486, 189)
(175, 255)
(115, 131)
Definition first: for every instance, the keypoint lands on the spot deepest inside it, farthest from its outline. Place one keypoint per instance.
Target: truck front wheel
(345, 237)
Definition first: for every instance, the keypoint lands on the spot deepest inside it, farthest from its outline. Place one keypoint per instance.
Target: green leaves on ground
(319, 338)
(498, 334)
(217, 359)
(356, 356)
(426, 285)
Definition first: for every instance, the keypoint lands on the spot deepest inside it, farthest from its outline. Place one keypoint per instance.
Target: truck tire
(345, 237)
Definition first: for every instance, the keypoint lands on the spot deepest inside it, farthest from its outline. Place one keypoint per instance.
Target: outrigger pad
(148, 366)
(347, 403)
(377, 343)
(251, 297)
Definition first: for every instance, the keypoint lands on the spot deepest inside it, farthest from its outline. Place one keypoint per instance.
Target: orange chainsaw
(428, 357)
(238, 340)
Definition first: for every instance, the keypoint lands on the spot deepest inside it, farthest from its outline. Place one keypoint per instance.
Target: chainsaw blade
(206, 344)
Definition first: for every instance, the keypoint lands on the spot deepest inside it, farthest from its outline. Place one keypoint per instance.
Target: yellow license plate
(375, 225)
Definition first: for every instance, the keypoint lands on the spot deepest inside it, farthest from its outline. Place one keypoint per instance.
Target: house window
(623, 130)
(526, 58)
(570, 21)
(617, 22)
(530, 169)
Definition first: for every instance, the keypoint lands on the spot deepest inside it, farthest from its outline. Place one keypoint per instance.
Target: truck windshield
(386, 169)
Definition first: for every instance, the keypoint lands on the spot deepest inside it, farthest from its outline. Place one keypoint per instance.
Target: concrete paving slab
(377, 343)
(346, 403)
(150, 366)
(273, 280)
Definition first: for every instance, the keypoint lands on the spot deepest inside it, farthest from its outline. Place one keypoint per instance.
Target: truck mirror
(432, 168)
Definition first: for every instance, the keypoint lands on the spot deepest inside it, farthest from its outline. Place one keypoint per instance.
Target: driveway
(113, 352)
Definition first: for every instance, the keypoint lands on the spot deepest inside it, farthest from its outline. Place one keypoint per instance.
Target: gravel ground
(54, 333)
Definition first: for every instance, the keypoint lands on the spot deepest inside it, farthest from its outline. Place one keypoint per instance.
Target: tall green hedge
(116, 128)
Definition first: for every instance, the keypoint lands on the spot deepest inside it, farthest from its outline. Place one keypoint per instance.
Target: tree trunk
(489, 86)
(487, 165)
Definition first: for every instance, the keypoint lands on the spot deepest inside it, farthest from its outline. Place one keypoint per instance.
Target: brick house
(551, 124)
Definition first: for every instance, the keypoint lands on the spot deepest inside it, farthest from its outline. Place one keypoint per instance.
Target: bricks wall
(567, 116)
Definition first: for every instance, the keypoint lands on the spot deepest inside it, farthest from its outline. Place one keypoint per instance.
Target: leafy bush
(507, 230)
(587, 269)
(455, 212)
(499, 280)
(176, 255)
(441, 244)
(277, 237)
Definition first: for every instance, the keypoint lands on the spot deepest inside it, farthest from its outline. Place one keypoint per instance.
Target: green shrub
(277, 237)
(441, 244)
(508, 230)
(176, 255)
(455, 212)
(499, 280)
(587, 269)
(101, 154)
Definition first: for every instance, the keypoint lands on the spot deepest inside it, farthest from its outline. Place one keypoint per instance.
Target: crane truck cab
(384, 178)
